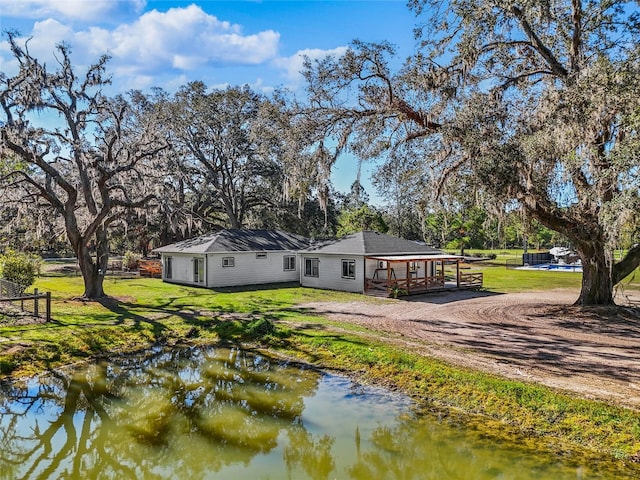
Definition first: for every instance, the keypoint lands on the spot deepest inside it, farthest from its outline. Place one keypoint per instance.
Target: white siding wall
(249, 270)
(330, 273)
(182, 268)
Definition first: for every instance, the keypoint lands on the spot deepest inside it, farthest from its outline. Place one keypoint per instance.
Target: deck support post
(407, 276)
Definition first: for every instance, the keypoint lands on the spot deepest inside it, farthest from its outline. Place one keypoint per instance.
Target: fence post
(35, 302)
(48, 303)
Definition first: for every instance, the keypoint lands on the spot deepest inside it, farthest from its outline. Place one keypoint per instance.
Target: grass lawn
(501, 279)
(141, 312)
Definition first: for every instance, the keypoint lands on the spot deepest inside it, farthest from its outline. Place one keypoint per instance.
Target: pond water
(218, 413)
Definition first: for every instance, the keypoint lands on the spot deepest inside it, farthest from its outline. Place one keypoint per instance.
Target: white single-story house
(372, 262)
(233, 257)
(364, 262)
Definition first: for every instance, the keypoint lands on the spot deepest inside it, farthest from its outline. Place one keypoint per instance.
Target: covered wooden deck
(396, 275)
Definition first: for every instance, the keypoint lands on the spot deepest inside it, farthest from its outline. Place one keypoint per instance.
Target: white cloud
(169, 49)
(181, 38)
(46, 35)
(293, 65)
(67, 9)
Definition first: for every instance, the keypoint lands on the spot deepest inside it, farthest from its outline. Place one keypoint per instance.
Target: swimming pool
(561, 267)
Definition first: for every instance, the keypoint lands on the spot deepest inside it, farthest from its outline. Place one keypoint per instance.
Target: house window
(348, 269)
(311, 267)
(168, 267)
(261, 255)
(198, 270)
(289, 263)
(228, 261)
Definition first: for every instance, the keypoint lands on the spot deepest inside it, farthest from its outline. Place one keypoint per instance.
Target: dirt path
(533, 336)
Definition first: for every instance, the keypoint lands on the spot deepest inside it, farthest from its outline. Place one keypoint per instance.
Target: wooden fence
(36, 303)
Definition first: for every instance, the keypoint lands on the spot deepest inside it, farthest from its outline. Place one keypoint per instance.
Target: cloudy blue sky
(169, 43)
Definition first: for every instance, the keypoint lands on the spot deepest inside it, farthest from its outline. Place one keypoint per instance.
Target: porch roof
(413, 258)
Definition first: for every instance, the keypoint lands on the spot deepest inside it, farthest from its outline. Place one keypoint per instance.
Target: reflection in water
(224, 413)
(206, 409)
(313, 456)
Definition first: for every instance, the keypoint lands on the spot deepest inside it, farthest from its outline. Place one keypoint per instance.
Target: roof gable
(238, 240)
(372, 243)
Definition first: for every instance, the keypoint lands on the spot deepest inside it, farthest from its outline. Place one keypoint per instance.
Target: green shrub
(130, 260)
(19, 268)
(396, 291)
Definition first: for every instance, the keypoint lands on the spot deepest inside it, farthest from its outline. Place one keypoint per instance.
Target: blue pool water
(555, 266)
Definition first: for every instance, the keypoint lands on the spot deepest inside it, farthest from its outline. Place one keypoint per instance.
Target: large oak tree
(538, 102)
(219, 159)
(88, 157)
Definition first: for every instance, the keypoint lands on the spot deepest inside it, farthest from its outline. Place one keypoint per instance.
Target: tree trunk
(93, 272)
(232, 215)
(588, 239)
(597, 281)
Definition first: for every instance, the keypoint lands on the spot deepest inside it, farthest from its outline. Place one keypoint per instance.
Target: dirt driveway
(533, 336)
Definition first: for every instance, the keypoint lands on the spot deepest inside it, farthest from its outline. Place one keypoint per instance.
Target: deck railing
(373, 284)
(421, 284)
(408, 285)
(470, 280)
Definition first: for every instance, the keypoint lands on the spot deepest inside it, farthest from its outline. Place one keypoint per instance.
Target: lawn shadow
(124, 313)
(230, 326)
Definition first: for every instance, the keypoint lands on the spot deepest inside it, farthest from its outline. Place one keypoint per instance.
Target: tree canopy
(218, 154)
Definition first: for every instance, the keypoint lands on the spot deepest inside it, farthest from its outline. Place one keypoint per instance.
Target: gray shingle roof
(236, 240)
(372, 243)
